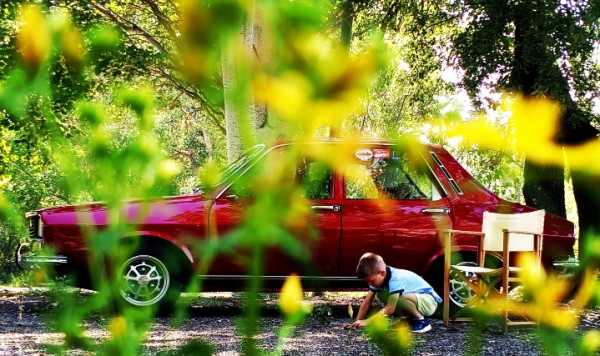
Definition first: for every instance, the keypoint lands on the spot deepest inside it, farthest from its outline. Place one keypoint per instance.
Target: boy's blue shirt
(403, 281)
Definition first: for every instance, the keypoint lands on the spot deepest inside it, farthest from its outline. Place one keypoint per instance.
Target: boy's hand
(355, 325)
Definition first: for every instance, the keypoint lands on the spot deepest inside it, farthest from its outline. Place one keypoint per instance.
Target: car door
(394, 206)
(320, 235)
(315, 232)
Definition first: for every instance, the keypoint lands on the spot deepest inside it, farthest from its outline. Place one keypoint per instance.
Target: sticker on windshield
(381, 153)
(364, 154)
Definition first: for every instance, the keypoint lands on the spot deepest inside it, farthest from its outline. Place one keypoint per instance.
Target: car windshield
(248, 156)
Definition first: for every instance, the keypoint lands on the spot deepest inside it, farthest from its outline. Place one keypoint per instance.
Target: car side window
(390, 177)
(315, 179)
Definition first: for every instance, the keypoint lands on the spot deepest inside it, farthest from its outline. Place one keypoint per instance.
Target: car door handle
(436, 210)
(326, 207)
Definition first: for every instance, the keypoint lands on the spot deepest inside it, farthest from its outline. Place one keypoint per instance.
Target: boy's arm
(392, 302)
(365, 306)
(362, 312)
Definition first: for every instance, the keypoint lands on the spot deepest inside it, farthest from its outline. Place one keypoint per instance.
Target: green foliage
(407, 92)
(78, 118)
(193, 347)
(390, 339)
(323, 314)
(110, 100)
(554, 33)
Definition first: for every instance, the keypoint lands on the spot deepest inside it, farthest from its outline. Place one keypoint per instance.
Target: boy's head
(371, 269)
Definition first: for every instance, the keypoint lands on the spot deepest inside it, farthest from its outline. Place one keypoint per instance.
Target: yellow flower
(287, 95)
(33, 39)
(3, 202)
(590, 342)
(378, 323)
(533, 125)
(290, 299)
(587, 287)
(545, 293)
(168, 168)
(403, 335)
(118, 327)
(72, 46)
(480, 131)
(39, 276)
(211, 175)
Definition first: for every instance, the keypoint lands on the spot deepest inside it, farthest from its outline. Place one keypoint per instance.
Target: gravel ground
(212, 319)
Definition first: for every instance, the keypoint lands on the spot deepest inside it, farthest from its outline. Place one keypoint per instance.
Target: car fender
(437, 258)
(183, 248)
(438, 255)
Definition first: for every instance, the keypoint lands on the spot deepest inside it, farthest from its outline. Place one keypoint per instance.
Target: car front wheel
(147, 280)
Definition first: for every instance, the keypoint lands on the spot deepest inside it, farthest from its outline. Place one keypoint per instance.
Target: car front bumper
(29, 255)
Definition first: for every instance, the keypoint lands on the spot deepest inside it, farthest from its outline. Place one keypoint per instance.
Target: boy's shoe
(420, 325)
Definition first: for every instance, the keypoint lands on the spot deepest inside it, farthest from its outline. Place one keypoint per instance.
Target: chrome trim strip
(276, 278)
(30, 214)
(566, 263)
(58, 259)
(446, 173)
(326, 207)
(439, 184)
(436, 210)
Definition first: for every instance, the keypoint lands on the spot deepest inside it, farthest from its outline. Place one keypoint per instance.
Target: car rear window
(387, 175)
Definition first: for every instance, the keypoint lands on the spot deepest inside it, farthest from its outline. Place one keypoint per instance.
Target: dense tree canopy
(539, 49)
(113, 99)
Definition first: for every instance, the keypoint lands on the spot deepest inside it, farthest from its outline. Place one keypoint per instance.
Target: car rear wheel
(459, 292)
(148, 279)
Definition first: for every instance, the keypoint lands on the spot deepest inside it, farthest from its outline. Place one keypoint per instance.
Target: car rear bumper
(566, 266)
(29, 254)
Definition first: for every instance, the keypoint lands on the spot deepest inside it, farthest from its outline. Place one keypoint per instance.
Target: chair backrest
(494, 223)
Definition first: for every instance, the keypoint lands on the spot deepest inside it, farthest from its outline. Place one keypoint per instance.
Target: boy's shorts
(426, 305)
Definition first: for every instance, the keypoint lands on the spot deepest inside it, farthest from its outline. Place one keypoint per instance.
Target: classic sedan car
(386, 198)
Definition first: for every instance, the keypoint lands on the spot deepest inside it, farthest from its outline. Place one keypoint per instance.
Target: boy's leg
(408, 303)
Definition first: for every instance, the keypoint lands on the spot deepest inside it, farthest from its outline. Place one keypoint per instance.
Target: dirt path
(212, 318)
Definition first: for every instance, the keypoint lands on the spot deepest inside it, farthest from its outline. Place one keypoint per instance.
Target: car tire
(150, 278)
(460, 293)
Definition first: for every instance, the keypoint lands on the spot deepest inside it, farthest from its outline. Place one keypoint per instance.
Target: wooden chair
(500, 233)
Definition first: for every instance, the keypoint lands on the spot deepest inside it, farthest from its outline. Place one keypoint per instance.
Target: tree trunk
(543, 186)
(245, 120)
(347, 15)
(259, 52)
(576, 130)
(587, 198)
(347, 20)
(236, 117)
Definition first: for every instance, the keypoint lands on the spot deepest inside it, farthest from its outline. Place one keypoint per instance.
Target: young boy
(402, 291)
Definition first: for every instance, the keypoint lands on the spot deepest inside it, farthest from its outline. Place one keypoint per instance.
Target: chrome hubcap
(145, 280)
(460, 293)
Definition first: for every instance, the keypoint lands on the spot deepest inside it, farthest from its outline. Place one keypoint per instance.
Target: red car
(390, 199)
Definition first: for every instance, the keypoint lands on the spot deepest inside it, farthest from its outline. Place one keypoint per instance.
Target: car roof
(357, 141)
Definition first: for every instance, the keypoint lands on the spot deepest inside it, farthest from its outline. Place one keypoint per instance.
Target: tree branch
(161, 17)
(211, 111)
(130, 27)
